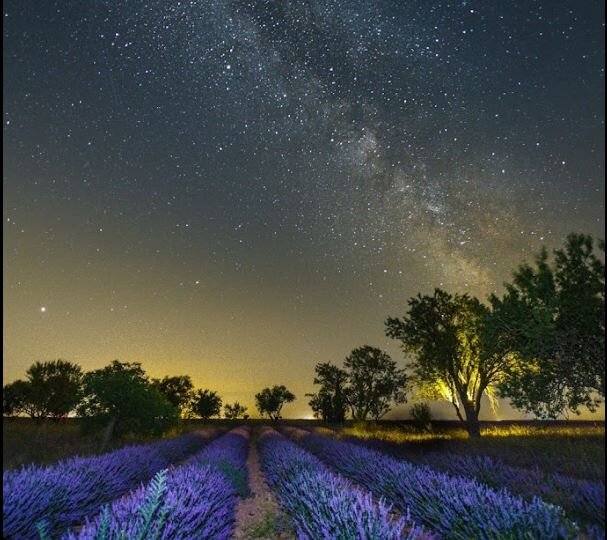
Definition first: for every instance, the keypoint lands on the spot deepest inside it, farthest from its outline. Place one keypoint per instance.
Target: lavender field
(324, 484)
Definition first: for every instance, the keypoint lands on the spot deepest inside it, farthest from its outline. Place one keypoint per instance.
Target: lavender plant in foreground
(68, 491)
(195, 500)
(322, 504)
(583, 500)
(454, 507)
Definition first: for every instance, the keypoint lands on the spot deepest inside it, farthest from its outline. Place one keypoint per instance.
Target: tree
(374, 383)
(121, 397)
(177, 390)
(232, 412)
(55, 388)
(271, 400)
(552, 318)
(453, 357)
(15, 398)
(330, 402)
(206, 404)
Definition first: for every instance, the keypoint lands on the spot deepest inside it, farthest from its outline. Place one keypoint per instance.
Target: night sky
(239, 190)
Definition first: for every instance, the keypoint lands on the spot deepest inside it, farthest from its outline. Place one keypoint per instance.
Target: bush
(422, 416)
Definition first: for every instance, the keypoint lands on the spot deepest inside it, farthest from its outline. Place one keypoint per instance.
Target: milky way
(238, 190)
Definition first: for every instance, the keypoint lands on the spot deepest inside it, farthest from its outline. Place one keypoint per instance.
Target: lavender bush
(66, 492)
(322, 504)
(583, 500)
(454, 507)
(195, 500)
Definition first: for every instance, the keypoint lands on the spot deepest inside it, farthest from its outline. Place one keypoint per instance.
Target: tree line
(541, 344)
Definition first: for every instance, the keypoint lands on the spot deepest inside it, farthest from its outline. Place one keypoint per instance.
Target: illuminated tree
(450, 347)
(270, 401)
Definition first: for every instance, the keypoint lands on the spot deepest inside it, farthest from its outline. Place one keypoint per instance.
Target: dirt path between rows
(259, 515)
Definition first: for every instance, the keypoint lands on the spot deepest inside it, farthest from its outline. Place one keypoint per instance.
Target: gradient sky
(238, 190)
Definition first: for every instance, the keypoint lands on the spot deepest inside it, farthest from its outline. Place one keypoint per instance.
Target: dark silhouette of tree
(206, 404)
(15, 398)
(330, 402)
(54, 389)
(452, 359)
(234, 411)
(552, 317)
(375, 383)
(178, 390)
(121, 397)
(270, 401)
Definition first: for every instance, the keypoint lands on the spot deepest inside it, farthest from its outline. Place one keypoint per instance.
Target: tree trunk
(472, 423)
(107, 436)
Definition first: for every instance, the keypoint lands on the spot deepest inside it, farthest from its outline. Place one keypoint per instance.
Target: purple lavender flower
(194, 500)
(66, 492)
(324, 506)
(454, 507)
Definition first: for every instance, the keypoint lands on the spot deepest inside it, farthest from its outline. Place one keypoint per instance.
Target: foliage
(121, 397)
(331, 401)
(205, 404)
(453, 507)
(270, 401)
(52, 389)
(422, 416)
(451, 353)
(320, 502)
(74, 488)
(374, 383)
(234, 411)
(177, 390)
(55, 387)
(15, 399)
(553, 317)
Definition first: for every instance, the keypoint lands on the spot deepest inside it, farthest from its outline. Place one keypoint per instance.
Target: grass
(574, 450)
(271, 525)
(26, 441)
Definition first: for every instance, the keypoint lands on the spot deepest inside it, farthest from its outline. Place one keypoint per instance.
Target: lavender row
(55, 497)
(583, 500)
(324, 506)
(454, 507)
(195, 500)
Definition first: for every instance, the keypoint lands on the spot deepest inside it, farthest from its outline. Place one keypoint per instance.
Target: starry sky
(238, 190)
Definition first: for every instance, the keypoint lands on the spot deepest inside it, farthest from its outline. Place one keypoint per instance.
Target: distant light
(43, 309)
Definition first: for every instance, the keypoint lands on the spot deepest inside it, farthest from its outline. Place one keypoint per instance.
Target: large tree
(178, 390)
(375, 383)
(270, 401)
(552, 317)
(331, 400)
(451, 351)
(121, 397)
(206, 404)
(54, 389)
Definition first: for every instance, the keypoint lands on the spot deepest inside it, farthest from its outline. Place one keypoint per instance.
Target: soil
(259, 515)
